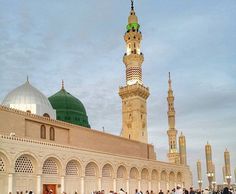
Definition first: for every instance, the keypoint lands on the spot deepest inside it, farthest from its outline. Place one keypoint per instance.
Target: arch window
(179, 177)
(90, 169)
(23, 165)
(50, 167)
(107, 171)
(144, 174)
(43, 132)
(154, 175)
(52, 133)
(172, 177)
(133, 173)
(72, 168)
(163, 176)
(121, 172)
(2, 165)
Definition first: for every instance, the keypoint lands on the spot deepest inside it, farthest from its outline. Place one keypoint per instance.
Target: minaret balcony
(133, 36)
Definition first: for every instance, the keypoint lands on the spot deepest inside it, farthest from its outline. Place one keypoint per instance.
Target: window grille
(23, 165)
(72, 168)
(50, 167)
(107, 171)
(90, 170)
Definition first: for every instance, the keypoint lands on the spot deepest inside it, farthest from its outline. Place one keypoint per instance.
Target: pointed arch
(144, 174)
(121, 172)
(107, 170)
(91, 169)
(73, 168)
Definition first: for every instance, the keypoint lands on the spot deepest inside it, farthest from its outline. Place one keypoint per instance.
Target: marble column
(149, 186)
(99, 183)
(114, 185)
(82, 185)
(127, 186)
(62, 184)
(38, 184)
(139, 185)
(10, 183)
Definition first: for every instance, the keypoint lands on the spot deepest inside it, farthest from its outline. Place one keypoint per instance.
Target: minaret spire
(132, 4)
(171, 108)
(169, 81)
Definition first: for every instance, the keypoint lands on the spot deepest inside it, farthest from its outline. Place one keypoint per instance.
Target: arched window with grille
(50, 167)
(43, 132)
(52, 133)
(72, 168)
(23, 164)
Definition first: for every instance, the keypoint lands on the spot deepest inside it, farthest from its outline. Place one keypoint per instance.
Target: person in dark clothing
(226, 191)
(191, 191)
(161, 192)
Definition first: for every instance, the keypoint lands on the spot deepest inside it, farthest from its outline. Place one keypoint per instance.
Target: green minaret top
(68, 108)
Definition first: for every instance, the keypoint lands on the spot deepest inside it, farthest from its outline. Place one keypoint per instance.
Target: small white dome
(27, 98)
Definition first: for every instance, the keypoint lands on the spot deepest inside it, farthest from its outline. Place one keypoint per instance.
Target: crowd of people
(177, 190)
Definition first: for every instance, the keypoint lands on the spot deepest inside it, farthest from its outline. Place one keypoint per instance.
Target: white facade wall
(87, 167)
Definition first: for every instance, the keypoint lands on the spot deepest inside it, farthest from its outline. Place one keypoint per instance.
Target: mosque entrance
(49, 189)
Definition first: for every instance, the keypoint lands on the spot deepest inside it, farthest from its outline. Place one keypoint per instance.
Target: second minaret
(173, 154)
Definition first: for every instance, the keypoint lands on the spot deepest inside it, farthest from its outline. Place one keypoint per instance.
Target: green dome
(69, 109)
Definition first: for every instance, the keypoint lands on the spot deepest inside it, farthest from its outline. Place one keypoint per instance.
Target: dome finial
(62, 84)
(27, 78)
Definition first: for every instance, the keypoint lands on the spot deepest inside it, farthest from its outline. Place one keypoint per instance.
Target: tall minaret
(172, 132)
(182, 149)
(134, 94)
(209, 163)
(199, 174)
(227, 167)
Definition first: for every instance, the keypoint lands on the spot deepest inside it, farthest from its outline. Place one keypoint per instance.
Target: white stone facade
(27, 164)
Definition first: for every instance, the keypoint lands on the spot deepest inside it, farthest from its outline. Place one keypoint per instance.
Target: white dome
(28, 98)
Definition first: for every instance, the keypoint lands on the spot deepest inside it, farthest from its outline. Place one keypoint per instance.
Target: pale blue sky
(82, 43)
